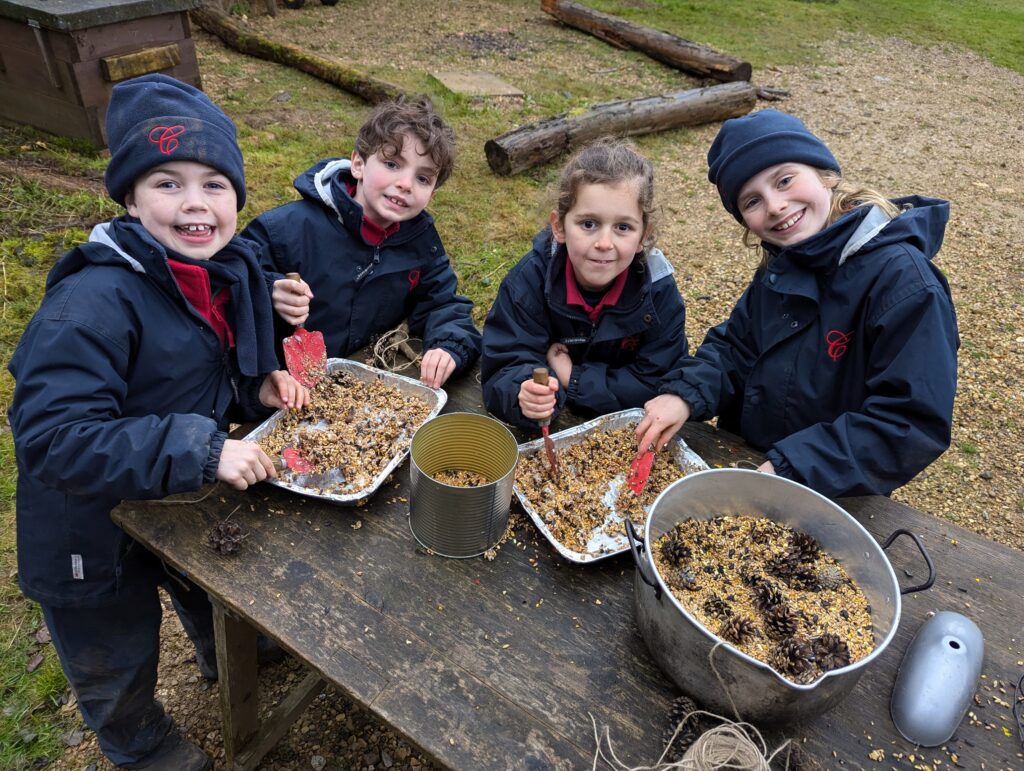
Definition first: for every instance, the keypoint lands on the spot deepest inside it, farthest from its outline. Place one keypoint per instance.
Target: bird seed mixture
(580, 506)
(769, 590)
(350, 432)
(461, 478)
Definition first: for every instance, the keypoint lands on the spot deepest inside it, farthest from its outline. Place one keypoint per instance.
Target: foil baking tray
(609, 539)
(330, 486)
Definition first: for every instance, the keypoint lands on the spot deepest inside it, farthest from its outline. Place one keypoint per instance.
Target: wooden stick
(665, 47)
(240, 38)
(538, 143)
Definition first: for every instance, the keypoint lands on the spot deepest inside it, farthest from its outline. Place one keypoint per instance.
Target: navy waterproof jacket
(361, 291)
(840, 357)
(618, 360)
(123, 392)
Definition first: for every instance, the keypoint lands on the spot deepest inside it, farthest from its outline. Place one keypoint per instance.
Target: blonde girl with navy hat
(839, 359)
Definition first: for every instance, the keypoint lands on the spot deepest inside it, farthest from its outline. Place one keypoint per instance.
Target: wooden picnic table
(494, 664)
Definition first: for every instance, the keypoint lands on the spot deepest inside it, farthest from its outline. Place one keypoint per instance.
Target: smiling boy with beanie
(149, 339)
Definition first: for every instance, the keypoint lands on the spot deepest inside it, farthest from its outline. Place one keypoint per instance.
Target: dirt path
(900, 118)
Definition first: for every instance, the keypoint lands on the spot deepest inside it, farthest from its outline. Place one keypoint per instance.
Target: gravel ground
(901, 118)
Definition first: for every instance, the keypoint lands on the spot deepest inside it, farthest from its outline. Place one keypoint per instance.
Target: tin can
(461, 521)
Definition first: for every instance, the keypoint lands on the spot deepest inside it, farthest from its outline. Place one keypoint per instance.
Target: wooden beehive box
(59, 59)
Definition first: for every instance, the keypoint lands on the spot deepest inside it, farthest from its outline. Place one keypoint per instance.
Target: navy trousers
(109, 655)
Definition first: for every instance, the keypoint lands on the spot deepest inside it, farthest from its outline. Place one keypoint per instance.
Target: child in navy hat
(839, 360)
(149, 339)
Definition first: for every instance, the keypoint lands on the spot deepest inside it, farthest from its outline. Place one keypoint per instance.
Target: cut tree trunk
(538, 143)
(341, 75)
(665, 47)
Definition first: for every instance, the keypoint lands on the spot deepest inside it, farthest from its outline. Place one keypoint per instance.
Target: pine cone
(688, 733)
(225, 537)
(673, 550)
(737, 629)
(804, 548)
(781, 566)
(781, 621)
(794, 658)
(766, 595)
(684, 578)
(805, 577)
(831, 577)
(831, 652)
(716, 607)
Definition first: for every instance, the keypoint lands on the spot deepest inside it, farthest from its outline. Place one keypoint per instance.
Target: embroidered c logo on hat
(165, 137)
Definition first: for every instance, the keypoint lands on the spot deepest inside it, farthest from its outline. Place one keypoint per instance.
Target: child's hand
(291, 300)
(664, 416)
(243, 464)
(767, 468)
(281, 390)
(436, 367)
(537, 401)
(560, 361)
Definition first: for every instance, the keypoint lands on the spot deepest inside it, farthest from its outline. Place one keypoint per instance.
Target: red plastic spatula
(305, 354)
(540, 375)
(640, 470)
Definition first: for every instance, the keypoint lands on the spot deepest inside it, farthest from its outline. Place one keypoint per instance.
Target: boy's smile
(602, 232)
(785, 203)
(394, 188)
(188, 207)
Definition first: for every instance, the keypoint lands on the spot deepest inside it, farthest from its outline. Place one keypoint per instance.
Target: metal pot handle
(636, 547)
(924, 553)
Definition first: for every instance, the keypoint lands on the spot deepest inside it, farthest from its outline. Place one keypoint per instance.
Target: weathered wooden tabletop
(502, 664)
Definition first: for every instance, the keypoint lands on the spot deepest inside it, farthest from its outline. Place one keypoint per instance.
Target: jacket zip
(371, 265)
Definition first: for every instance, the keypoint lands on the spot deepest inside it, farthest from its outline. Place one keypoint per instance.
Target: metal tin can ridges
(461, 521)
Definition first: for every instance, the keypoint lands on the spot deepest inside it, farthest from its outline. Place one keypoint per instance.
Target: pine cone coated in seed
(804, 548)
(793, 657)
(688, 733)
(716, 607)
(684, 578)
(225, 537)
(781, 621)
(805, 577)
(766, 595)
(737, 629)
(831, 577)
(673, 550)
(782, 566)
(831, 652)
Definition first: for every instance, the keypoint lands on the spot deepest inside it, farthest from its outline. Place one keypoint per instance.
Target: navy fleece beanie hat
(155, 119)
(747, 146)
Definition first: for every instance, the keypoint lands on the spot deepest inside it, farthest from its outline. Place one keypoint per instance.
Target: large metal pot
(690, 654)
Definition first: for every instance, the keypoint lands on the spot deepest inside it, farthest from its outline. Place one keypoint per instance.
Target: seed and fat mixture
(575, 507)
(461, 478)
(769, 590)
(354, 426)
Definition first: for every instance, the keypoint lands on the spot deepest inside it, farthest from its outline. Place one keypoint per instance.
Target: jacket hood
(921, 224)
(325, 184)
(100, 249)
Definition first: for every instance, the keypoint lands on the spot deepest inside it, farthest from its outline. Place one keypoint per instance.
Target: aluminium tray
(611, 538)
(311, 485)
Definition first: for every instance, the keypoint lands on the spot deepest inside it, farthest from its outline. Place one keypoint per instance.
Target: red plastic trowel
(305, 354)
(640, 470)
(540, 375)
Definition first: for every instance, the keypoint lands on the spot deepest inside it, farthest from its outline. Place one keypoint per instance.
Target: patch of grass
(774, 32)
(968, 448)
(30, 726)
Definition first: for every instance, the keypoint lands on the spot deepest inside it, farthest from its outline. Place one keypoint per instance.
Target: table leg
(236, 665)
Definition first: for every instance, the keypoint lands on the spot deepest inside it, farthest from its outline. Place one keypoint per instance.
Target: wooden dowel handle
(540, 375)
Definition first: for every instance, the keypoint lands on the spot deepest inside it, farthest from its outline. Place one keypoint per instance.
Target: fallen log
(665, 47)
(344, 77)
(538, 143)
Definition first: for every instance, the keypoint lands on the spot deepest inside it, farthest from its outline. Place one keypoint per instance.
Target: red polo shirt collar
(574, 297)
(194, 283)
(373, 233)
